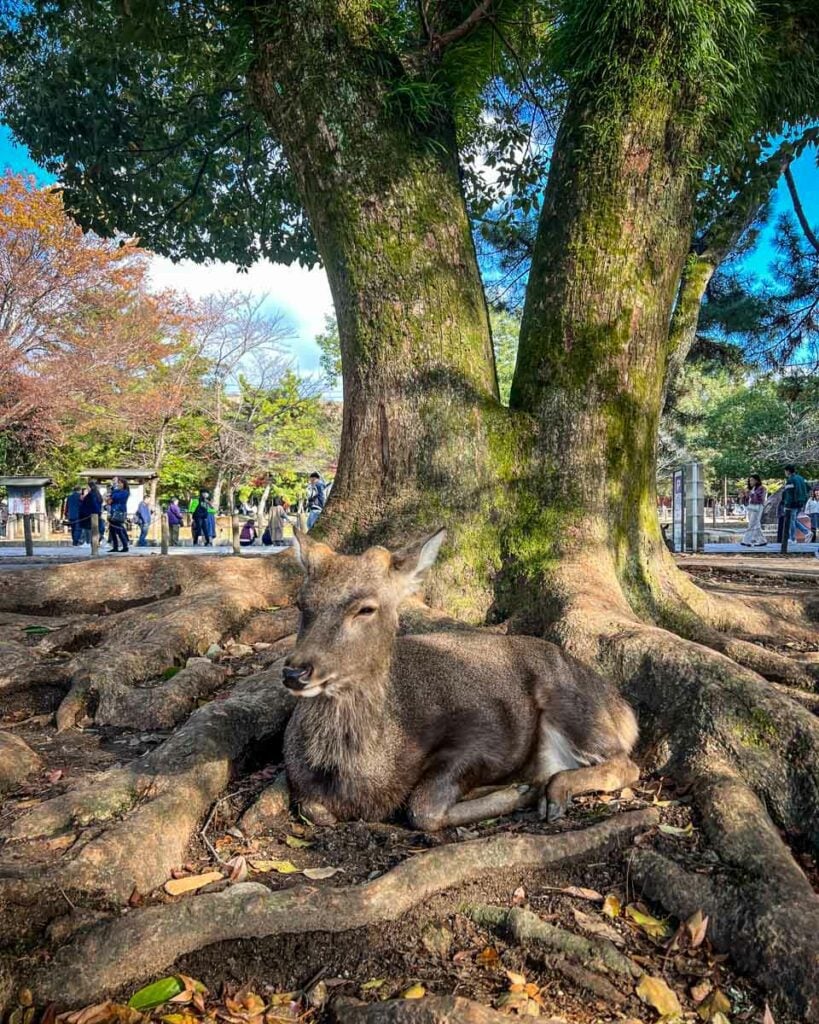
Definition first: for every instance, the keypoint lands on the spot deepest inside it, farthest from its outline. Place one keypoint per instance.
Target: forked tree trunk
(383, 194)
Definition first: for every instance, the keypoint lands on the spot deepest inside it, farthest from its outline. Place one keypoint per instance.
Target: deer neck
(343, 729)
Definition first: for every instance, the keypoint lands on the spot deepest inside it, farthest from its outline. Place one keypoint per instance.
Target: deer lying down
(390, 721)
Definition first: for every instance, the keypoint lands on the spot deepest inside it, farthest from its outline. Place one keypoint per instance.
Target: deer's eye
(368, 609)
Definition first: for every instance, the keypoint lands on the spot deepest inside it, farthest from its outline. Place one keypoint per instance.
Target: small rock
(240, 650)
(317, 995)
(200, 661)
(437, 940)
(213, 651)
(17, 761)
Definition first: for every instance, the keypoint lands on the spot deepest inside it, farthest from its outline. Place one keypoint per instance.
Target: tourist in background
(248, 534)
(90, 505)
(812, 509)
(794, 499)
(72, 514)
(202, 519)
(118, 514)
(316, 496)
(143, 521)
(754, 499)
(278, 520)
(174, 521)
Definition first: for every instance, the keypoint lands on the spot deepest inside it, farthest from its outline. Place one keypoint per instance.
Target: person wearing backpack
(201, 511)
(118, 514)
(143, 521)
(174, 521)
(794, 499)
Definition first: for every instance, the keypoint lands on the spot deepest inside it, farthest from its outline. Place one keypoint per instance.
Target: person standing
(201, 513)
(143, 520)
(812, 509)
(278, 520)
(174, 521)
(118, 514)
(794, 499)
(754, 499)
(90, 505)
(72, 514)
(316, 496)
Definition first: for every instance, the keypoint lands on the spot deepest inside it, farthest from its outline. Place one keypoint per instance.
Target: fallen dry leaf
(627, 794)
(700, 990)
(487, 956)
(283, 867)
(672, 830)
(652, 926)
(767, 1016)
(238, 868)
(54, 776)
(656, 993)
(297, 844)
(717, 1002)
(177, 886)
(584, 894)
(518, 896)
(62, 843)
(600, 928)
(373, 983)
(611, 906)
(414, 992)
(697, 926)
(315, 874)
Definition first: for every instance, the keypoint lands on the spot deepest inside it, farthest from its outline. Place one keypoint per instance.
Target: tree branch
(799, 210)
(439, 42)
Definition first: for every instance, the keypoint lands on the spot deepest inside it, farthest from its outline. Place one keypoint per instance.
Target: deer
(451, 727)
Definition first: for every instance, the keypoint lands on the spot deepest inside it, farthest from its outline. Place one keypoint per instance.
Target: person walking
(72, 514)
(794, 499)
(754, 499)
(90, 505)
(201, 514)
(316, 496)
(174, 521)
(118, 514)
(143, 520)
(812, 509)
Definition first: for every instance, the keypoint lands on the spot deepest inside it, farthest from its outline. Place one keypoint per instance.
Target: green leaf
(36, 630)
(157, 993)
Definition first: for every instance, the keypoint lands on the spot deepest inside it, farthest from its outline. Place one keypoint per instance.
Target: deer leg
(607, 777)
(501, 800)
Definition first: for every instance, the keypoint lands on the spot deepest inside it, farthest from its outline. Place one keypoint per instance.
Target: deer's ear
(413, 561)
(310, 553)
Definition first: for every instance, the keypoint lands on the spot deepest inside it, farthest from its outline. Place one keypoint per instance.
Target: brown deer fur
(389, 721)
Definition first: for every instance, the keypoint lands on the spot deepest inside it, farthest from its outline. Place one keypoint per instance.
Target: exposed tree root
(762, 910)
(133, 824)
(155, 620)
(704, 713)
(430, 1010)
(122, 951)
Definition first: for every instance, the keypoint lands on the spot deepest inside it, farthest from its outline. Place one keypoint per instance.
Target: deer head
(349, 613)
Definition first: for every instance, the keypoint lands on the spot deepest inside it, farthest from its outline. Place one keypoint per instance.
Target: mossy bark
(614, 232)
(380, 182)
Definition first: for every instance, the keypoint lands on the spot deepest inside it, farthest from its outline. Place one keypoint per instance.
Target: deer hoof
(550, 810)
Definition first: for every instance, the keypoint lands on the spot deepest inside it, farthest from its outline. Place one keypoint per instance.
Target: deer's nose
(296, 676)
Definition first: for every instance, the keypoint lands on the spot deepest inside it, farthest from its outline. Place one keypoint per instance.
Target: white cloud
(303, 295)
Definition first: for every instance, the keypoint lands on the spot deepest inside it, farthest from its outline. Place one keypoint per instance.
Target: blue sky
(305, 295)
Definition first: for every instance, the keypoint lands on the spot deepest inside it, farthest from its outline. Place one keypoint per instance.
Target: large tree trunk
(382, 190)
(613, 236)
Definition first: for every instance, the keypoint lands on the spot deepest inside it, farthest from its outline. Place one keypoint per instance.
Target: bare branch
(799, 210)
(439, 42)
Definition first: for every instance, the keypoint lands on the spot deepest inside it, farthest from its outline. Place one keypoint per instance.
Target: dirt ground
(436, 948)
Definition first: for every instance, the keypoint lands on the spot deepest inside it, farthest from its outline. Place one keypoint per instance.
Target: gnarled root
(430, 1010)
(177, 610)
(133, 824)
(762, 909)
(122, 951)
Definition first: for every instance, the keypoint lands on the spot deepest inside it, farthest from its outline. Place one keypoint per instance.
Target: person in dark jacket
(90, 505)
(248, 534)
(174, 521)
(203, 518)
(794, 499)
(316, 494)
(72, 514)
(118, 515)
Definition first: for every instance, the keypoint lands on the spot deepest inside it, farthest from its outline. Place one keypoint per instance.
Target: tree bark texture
(381, 187)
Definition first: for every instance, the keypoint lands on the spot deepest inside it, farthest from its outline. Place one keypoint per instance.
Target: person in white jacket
(812, 509)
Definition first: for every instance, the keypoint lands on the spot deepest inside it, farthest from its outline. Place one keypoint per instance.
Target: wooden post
(46, 525)
(95, 534)
(27, 534)
(786, 530)
(165, 533)
(725, 494)
(234, 530)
